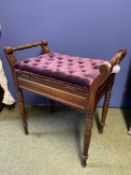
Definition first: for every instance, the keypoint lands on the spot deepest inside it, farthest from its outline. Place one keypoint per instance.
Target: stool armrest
(106, 70)
(118, 57)
(10, 50)
(9, 53)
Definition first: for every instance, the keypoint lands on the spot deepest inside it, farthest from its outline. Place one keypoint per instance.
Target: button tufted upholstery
(71, 69)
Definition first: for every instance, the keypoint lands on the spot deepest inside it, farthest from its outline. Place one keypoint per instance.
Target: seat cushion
(71, 69)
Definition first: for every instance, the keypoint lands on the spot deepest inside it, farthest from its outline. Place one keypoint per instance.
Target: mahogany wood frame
(129, 132)
(1, 98)
(70, 95)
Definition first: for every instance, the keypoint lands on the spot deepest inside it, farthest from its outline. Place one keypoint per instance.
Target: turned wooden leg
(87, 137)
(106, 104)
(1, 106)
(104, 110)
(22, 109)
(129, 132)
(51, 105)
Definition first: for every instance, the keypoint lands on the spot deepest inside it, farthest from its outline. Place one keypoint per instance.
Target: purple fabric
(71, 69)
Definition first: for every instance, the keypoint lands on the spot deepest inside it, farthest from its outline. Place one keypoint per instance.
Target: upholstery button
(26, 61)
(59, 62)
(95, 67)
(51, 55)
(70, 64)
(35, 64)
(71, 71)
(88, 75)
(81, 66)
(58, 65)
(80, 62)
(70, 60)
(37, 60)
(50, 59)
(46, 63)
(60, 58)
(93, 64)
(58, 69)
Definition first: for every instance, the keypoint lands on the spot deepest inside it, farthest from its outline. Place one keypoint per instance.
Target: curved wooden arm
(116, 59)
(105, 73)
(106, 70)
(9, 53)
(43, 44)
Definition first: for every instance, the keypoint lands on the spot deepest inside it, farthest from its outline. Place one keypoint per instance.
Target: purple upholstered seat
(71, 69)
